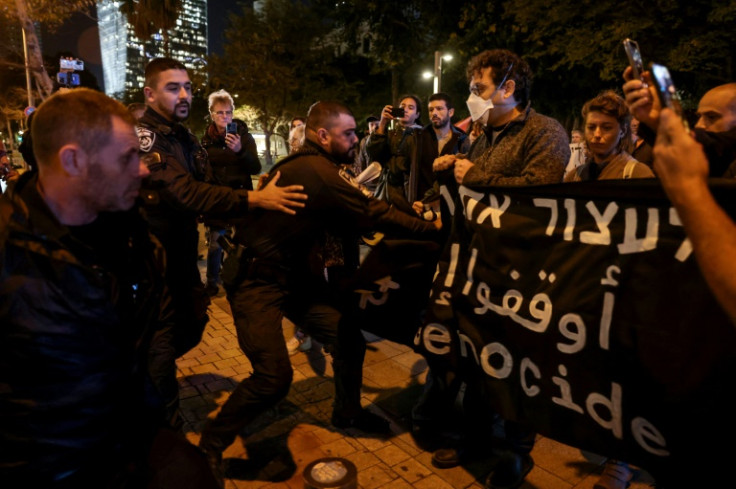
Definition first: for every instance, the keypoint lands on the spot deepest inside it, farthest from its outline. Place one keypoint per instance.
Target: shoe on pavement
(299, 342)
(616, 475)
(510, 471)
(365, 421)
(447, 458)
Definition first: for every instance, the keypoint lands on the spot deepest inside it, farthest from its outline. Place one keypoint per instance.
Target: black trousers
(259, 304)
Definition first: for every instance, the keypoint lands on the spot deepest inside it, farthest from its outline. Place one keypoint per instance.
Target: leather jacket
(78, 306)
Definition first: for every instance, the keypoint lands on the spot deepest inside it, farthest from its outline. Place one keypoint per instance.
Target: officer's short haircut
(157, 65)
(323, 114)
(66, 118)
(442, 96)
(504, 63)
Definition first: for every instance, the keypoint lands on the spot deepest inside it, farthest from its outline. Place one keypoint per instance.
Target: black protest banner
(581, 309)
(391, 289)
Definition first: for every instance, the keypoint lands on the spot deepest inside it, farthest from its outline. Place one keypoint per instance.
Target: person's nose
(701, 123)
(183, 94)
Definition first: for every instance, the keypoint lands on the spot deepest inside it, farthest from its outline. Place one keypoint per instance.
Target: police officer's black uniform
(283, 278)
(175, 194)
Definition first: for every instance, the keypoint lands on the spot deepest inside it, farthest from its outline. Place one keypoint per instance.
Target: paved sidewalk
(280, 444)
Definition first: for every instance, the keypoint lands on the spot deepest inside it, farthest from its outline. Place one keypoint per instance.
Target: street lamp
(438, 57)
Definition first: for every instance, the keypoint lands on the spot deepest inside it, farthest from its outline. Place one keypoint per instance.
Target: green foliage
(575, 47)
(148, 17)
(279, 62)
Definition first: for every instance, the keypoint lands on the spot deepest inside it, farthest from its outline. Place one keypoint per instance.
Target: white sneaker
(299, 342)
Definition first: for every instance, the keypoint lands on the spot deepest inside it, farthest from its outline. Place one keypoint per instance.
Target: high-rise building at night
(124, 56)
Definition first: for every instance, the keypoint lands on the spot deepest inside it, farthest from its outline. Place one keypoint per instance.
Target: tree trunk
(394, 86)
(35, 58)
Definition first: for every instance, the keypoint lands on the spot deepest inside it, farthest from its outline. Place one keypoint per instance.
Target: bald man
(715, 129)
(717, 109)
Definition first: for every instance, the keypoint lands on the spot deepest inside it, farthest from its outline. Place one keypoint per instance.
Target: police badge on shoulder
(146, 138)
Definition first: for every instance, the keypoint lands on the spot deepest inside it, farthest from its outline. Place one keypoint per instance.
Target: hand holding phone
(634, 55)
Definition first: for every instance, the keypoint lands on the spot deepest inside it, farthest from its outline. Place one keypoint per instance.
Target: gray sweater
(532, 149)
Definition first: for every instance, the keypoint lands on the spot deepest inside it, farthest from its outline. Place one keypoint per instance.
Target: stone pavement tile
(566, 462)
(187, 362)
(415, 362)
(397, 484)
(301, 439)
(338, 448)
(411, 471)
(375, 476)
(380, 351)
(235, 353)
(388, 373)
(391, 455)
(326, 435)
(406, 442)
(244, 368)
(363, 459)
(456, 477)
(187, 392)
(433, 482)
(227, 363)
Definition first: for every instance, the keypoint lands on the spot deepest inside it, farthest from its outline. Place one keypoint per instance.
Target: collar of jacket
(519, 119)
(25, 198)
(158, 122)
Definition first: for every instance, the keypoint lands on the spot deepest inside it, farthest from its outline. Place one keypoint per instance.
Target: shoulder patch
(146, 137)
(348, 177)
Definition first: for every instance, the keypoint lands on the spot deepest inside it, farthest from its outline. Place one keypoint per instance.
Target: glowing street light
(438, 57)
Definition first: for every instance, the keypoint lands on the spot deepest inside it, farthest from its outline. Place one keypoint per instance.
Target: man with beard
(439, 138)
(177, 192)
(283, 258)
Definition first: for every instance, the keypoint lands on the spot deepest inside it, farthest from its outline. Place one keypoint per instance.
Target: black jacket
(179, 189)
(77, 309)
(336, 206)
(230, 168)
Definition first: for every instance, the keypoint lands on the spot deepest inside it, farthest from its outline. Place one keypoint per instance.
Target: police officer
(284, 277)
(178, 193)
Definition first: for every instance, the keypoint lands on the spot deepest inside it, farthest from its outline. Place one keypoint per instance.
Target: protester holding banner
(606, 134)
(523, 146)
(517, 147)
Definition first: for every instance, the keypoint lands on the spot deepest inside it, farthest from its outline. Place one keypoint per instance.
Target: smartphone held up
(668, 96)
(232, 128)
(634, 55)
(398, 112)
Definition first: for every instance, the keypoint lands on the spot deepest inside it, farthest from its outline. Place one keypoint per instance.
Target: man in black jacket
(283, 274)
(177, 192)
(81, 296)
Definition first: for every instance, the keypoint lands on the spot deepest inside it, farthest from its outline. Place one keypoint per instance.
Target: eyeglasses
(223, 112)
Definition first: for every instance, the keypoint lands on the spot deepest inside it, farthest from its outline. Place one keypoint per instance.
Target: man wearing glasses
(518, 146)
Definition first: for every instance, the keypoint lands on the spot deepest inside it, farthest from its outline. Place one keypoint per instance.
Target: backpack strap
(629, 169)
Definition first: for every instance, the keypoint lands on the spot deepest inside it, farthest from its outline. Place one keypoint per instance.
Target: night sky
(79, 36)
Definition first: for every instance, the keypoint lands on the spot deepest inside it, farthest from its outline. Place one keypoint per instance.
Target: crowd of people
(101, 292)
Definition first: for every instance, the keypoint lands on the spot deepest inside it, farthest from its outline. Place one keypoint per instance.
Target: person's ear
(148, 93)
(323, 135)
(509, 88)
(73, 160)
(451, 112)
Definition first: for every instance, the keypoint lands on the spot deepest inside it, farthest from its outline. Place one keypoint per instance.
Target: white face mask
(478, 107)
